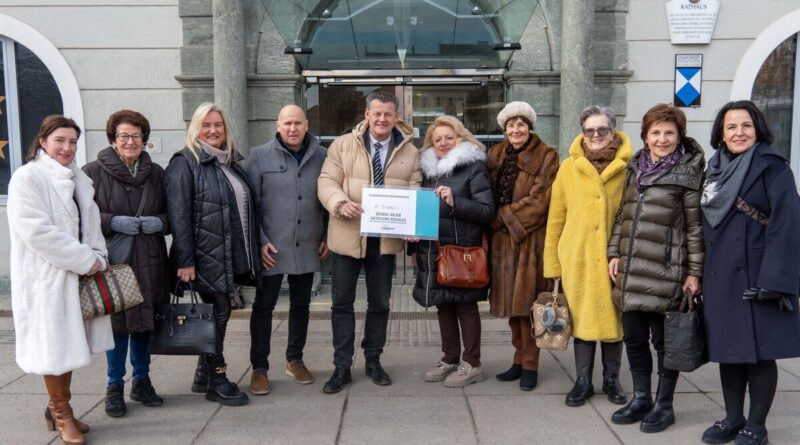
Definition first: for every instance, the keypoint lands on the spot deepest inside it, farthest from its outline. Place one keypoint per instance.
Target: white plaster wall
(652, 58)
(124, 54)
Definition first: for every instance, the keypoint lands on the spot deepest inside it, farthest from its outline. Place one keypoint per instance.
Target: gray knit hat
(516, 109)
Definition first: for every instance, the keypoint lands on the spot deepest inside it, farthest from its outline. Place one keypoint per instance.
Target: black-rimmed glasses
(125, 137)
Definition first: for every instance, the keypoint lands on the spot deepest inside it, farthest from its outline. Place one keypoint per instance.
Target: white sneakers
(440, 371)
(465, 375)
(455, 375)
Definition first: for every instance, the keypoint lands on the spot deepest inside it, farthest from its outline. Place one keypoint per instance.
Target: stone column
(577, 70)
(230, 78)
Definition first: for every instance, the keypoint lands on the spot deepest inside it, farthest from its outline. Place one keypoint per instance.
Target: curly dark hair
(127, 117)
(763, 133)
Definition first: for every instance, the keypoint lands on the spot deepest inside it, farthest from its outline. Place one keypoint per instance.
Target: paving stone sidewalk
(409, 411)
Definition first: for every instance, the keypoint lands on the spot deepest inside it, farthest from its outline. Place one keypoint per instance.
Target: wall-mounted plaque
(691, 21)
(688, 80)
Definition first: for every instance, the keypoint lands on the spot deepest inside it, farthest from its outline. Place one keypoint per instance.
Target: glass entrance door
(334, 108)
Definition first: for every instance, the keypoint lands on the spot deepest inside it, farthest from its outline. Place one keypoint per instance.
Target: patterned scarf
(651, 171)
(507, 175)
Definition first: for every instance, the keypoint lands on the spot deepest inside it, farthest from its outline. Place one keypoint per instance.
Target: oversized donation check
(399, 212)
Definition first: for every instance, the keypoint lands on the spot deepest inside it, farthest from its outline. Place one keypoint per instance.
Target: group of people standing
(628, 235)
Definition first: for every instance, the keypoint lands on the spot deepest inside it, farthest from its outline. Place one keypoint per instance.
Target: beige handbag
(110, 291)
(552, 325)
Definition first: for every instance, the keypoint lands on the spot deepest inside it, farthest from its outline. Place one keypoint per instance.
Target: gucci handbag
(552, 325)
(108, 292)
(463, 267)
(684, 336)
(184, 328)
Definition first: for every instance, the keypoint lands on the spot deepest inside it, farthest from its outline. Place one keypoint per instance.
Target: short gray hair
(383, 96)
(594, 110)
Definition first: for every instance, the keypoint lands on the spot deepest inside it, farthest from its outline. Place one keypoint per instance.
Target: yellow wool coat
(579, 225)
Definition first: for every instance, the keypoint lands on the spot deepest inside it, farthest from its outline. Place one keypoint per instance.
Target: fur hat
(516, 109)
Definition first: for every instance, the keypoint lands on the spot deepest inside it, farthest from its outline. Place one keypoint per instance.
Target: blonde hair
(450, 121)
(193, 132)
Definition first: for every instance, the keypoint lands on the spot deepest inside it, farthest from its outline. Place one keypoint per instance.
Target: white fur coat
(462, 154)
(47, 258)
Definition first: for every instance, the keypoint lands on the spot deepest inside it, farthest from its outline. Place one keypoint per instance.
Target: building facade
(465, 58)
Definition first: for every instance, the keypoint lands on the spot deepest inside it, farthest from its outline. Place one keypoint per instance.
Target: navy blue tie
(377, 171)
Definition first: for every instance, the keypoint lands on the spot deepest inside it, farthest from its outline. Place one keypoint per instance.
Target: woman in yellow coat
(586, 195)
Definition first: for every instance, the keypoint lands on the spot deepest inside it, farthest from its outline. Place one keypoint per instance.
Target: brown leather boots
(70, 430)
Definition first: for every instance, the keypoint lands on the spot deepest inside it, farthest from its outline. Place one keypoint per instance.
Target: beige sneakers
(259, 382)
(298, 371)
(440, 371)
(465, 375)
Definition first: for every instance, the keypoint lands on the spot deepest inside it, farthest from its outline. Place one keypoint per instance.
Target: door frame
(404, 82)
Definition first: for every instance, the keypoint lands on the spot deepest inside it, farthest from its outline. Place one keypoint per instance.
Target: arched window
(769, 74)
(28, 93)
(775, 91)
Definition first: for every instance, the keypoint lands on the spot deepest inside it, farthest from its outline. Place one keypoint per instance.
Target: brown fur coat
(517, 240)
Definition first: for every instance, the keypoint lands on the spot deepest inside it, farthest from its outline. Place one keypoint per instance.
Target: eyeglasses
(601, 131)
(124, 137)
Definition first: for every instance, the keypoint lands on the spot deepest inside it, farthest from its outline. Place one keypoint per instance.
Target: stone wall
(534, 75)
(272, 79)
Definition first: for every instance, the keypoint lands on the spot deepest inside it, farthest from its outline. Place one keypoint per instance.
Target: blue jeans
(140, 357)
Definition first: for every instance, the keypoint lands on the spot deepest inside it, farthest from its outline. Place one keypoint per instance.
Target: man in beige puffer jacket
(377, 152)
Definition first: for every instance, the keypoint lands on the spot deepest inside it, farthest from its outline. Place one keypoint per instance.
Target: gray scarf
(240, 189)
(724, 179)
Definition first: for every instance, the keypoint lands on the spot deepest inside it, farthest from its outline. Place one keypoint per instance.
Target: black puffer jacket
(463, 170)
(658, 234)
(206, 227)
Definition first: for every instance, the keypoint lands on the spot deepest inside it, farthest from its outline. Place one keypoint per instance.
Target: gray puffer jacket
(658, 234)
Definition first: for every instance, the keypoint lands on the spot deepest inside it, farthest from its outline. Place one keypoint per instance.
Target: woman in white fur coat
(453, 163)
(55, 237)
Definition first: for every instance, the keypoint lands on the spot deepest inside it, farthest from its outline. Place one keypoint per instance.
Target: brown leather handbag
(463, 267)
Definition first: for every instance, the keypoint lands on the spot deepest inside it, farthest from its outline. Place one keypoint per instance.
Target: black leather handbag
(184, 328)
(684, 336)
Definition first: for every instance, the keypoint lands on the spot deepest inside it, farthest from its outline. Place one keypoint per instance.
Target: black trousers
(261, 317)
(378, 271)
(222, 308)
(639, 328)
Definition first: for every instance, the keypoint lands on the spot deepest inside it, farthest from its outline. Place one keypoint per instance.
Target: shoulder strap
(142, 201)
(744, 207)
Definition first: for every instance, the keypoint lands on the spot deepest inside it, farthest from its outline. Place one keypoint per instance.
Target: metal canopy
(401, 34)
